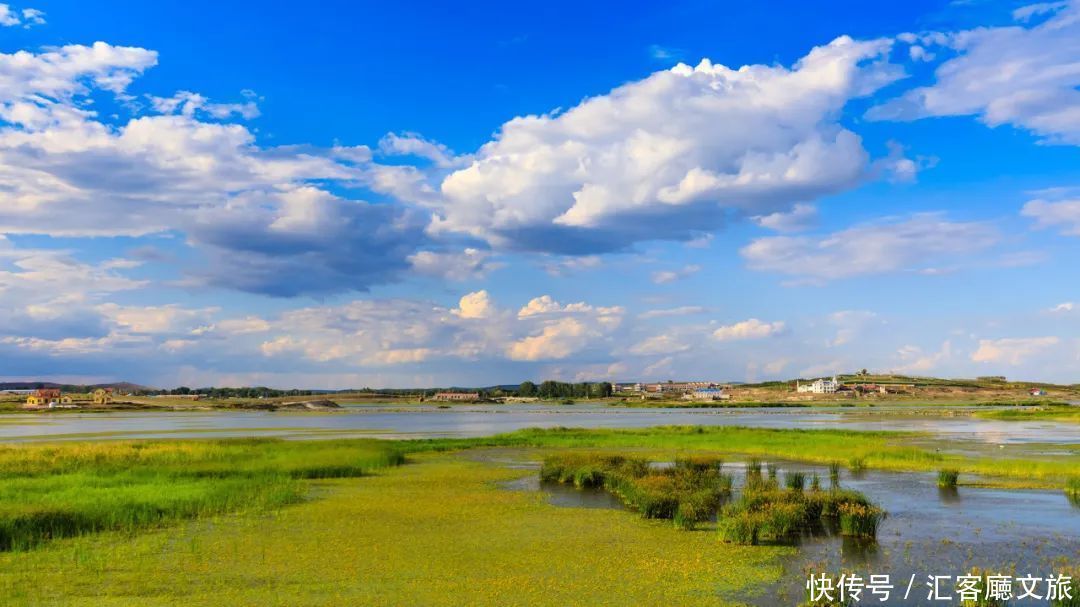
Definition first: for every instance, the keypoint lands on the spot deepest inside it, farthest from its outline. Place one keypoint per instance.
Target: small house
(47, 397)
(456, 396)
(102, 396)
(709, 394)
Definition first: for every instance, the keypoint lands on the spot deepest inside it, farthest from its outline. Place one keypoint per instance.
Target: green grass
(438, 532)
(900, 451)
(859, 520)
(1068, 413)
(1072, 490)
(689, 492)
(64, 490)
(796, 481)
(766, 513)
(947, 478)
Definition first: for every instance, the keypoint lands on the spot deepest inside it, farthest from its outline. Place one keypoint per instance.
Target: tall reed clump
(860, 520)
(753, 469)
(834, 474)
(688, 492)
(765, 512)
(947, 478)
(857, 465)
(55, 491)
(1072, 489)
(796, 481)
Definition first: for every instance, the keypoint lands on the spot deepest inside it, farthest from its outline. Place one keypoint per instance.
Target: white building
(708, 394)
(818, 386)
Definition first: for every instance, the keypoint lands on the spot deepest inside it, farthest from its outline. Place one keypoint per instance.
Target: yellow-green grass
(898, 451)
(689, 492)
(439, 531)
(1067, 413)
(64, 490)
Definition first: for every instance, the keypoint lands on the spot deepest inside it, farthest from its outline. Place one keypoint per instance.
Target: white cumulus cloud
(748, 329)
(1012, 350)
(669, 156)
(1023, 76)
(874, 248)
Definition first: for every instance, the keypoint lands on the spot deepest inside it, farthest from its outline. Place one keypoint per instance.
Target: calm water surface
(927, 531)
(471, 421)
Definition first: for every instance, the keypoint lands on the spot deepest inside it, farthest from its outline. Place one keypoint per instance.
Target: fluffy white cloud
(748, 329)
(886, 246)
(1023, 76)
(412, 144)
(1061, 214)
(556, 340)
(915, 360)
(664, 277)
(157, 319)
(545, 305)
(391, 332)
(263, 216)
(475, 305)
(1061, 308)
(1013, 350)
(669, 156)
(49, 295)
(188, 103)
(664, 343)
(800, 217)
(564, 329)
(453, 265)
(27, 17)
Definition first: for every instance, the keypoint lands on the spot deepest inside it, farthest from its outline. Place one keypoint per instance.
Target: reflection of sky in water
(927, 531)
(482, 421)
(932, 531)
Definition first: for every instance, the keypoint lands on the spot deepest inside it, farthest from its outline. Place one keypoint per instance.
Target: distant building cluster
(818, 386)
(689, 390)
(54, 398)
(456, 396)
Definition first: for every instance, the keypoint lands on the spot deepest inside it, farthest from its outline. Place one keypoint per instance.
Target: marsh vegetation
(56, 491)
(688, 492)
(765, 512)
(278, 522)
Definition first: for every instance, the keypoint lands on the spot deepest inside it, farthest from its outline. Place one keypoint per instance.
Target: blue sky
(409, 194)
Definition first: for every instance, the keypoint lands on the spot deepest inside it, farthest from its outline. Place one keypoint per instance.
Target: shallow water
(931, 531)
(927, 531)
(484, 420)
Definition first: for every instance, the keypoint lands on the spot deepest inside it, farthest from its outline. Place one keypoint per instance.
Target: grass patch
(1072, 490)
(947, 478)
(439, 532)
(56, 491)
(861, 449)
(1057, 412)
(689, 492)
(766, 513)
(834, 474)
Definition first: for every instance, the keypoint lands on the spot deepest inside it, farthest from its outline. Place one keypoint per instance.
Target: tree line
(558, 389)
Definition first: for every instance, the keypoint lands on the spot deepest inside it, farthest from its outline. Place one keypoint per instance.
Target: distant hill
(122, 386)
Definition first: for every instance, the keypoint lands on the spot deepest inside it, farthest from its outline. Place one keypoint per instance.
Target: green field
(423, 522)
